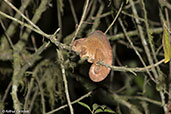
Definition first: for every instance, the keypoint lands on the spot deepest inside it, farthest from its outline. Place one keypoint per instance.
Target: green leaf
(95, 106)
(85, 105)
(127, 1)
(103, 107)
(166, 45)
(61, 5)
(109, 111)
(99, 110)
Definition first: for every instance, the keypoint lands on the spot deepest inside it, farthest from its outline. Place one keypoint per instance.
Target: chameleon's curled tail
(98, 73)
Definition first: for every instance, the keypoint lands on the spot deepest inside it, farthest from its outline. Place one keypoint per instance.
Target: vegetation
(39, 73)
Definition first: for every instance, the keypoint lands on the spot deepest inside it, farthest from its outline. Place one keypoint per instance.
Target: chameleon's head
(77, 44)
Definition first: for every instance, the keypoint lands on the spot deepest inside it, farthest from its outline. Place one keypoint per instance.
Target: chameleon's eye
(76, 43)
(83, 51)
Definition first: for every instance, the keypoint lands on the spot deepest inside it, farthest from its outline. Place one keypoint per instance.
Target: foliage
(40, 73)
(97, 108)
(166, 40)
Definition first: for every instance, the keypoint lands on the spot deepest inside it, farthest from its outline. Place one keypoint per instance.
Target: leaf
(103, 107)
(85, 105)
(95, 106)
(166, 45)
(99, 110)
(109, 111)
(127, 1)
(61, 5)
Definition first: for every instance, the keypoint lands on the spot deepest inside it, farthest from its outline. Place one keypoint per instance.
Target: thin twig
(59, 21)
(97, 19)
(18, 11)
(24, 24)
(126, 69)
(123, 12)
(8, 37)
(165, 3)
(66, 105)
(120, 9)
(33, 26)
(51, 37)
(92, 6)
(81, 21)
(149, 34)
(138, 54)
(34, 42)
(125, 43)
(73, 12)
(16, 102)
(61, 60)
(103, 15)
(33, 100)
(37, 16)
(6, 92)
(12, 27)
(132, 16)
(30, 85)
(125, 102)
(42, 95)
(144, 42)
(133, 33)
(63, 46)
(144, 99)
(158, 75)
